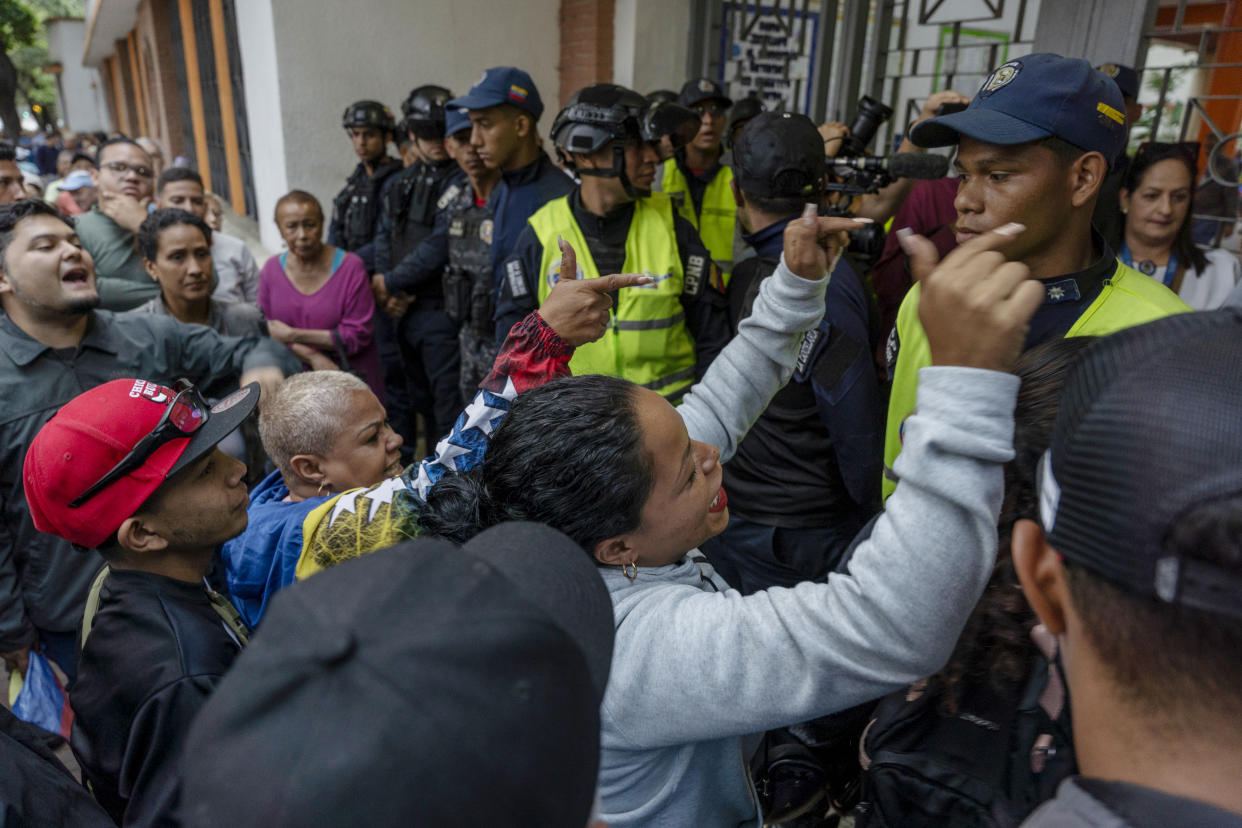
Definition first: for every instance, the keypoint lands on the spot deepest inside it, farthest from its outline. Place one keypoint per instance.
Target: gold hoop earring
(630, 570)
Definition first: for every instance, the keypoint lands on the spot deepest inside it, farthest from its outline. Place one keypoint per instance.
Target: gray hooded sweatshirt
(697, 667)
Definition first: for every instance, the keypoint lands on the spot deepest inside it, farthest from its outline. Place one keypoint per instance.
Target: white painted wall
(82, 99)
(651, 44)
(256, 40)
(302, 67)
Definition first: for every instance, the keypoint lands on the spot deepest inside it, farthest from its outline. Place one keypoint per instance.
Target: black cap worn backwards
(779, 155)
(424, 684)
(1150, 427)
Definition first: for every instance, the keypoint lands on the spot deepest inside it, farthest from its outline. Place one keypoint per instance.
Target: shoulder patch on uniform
(694, 274)
(449, 195)
(485, 231)
(891, 348)
(516, 274)
(806, 349)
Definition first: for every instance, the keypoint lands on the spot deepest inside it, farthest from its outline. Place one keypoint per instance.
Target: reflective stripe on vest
(718, 219)
(647, 343)
(1127, 299)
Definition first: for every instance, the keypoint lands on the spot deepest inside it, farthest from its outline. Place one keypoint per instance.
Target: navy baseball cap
(1034, 97)
(502, 85)
(697, 90)
(455, 120)
(1125, 77)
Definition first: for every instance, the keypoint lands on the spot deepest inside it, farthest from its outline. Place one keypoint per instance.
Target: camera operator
(806, 477)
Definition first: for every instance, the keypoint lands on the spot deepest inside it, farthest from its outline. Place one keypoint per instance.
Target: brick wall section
(586, 45)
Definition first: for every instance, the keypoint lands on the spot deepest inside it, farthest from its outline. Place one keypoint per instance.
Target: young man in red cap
(131, 468)
(55, 343)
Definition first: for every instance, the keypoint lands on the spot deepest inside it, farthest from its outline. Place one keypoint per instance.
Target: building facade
(251, 92)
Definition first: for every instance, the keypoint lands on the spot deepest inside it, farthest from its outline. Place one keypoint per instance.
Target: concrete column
(302, 70)
(651, 43)
(257, 45)
(1101, 31)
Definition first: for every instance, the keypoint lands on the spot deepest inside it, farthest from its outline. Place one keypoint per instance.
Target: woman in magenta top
(316, 297)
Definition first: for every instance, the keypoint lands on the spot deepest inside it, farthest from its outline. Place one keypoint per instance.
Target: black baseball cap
(1149, 428)
(1125, 77)
(425, 684)
(697, 90)
(1034, 97)
(779, 155)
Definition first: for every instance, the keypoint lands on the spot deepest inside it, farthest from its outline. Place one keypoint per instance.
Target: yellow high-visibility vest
(1127, 299)
(717, 219)
(647, 342)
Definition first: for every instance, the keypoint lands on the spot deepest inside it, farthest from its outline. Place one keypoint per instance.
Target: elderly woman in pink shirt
(316, 297)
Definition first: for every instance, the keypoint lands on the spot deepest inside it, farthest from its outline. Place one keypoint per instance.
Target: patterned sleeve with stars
(365, 520)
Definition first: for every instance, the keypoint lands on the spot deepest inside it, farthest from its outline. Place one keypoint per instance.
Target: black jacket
(35, 789)
(43, 580)
(156, 651)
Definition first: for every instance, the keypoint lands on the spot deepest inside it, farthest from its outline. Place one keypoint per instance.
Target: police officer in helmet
(469, 285)
(806, 477)
(411, 252)
(663, 335)
(698, 179)
(355, 211)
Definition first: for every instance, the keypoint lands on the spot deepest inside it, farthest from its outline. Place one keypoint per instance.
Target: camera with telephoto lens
(871, 115)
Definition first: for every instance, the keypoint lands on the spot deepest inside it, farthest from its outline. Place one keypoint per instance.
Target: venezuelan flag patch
(517, 93)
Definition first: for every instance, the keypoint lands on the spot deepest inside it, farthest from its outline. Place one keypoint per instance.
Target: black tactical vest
(469, 287)
(357, 206)
(412, 201)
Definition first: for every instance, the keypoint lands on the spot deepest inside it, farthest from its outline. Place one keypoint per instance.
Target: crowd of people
(649, 482)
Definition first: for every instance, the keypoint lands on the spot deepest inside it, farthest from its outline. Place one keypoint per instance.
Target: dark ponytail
(569, 454)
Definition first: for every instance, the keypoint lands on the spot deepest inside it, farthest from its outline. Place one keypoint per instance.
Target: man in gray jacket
(54, 344)
(1136, 566)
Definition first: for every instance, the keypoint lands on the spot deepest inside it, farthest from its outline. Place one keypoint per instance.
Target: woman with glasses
(1156, 199)
(317, 298)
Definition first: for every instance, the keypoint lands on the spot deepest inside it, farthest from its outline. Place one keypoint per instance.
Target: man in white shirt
(237, 273)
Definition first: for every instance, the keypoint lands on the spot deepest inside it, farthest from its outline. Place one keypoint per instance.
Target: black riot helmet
(739, 114)
(598, 115)
(669, 120)
(424, 111)
(368, 114)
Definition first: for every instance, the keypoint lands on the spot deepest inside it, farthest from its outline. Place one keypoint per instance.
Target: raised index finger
(616, 281)
(990, 240)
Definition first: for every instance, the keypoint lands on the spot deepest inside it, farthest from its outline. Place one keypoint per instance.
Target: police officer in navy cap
(1108, 218)
(469, 287)
(1033, 148)
(697, 178)
(806, 477)
(355, 210)
(504, 107)
(411, 250)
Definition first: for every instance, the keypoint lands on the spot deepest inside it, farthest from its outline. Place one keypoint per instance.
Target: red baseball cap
(92, 433)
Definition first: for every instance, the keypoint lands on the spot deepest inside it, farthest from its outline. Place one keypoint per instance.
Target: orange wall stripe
(228, 118)
(135, 72)
(194, 87)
